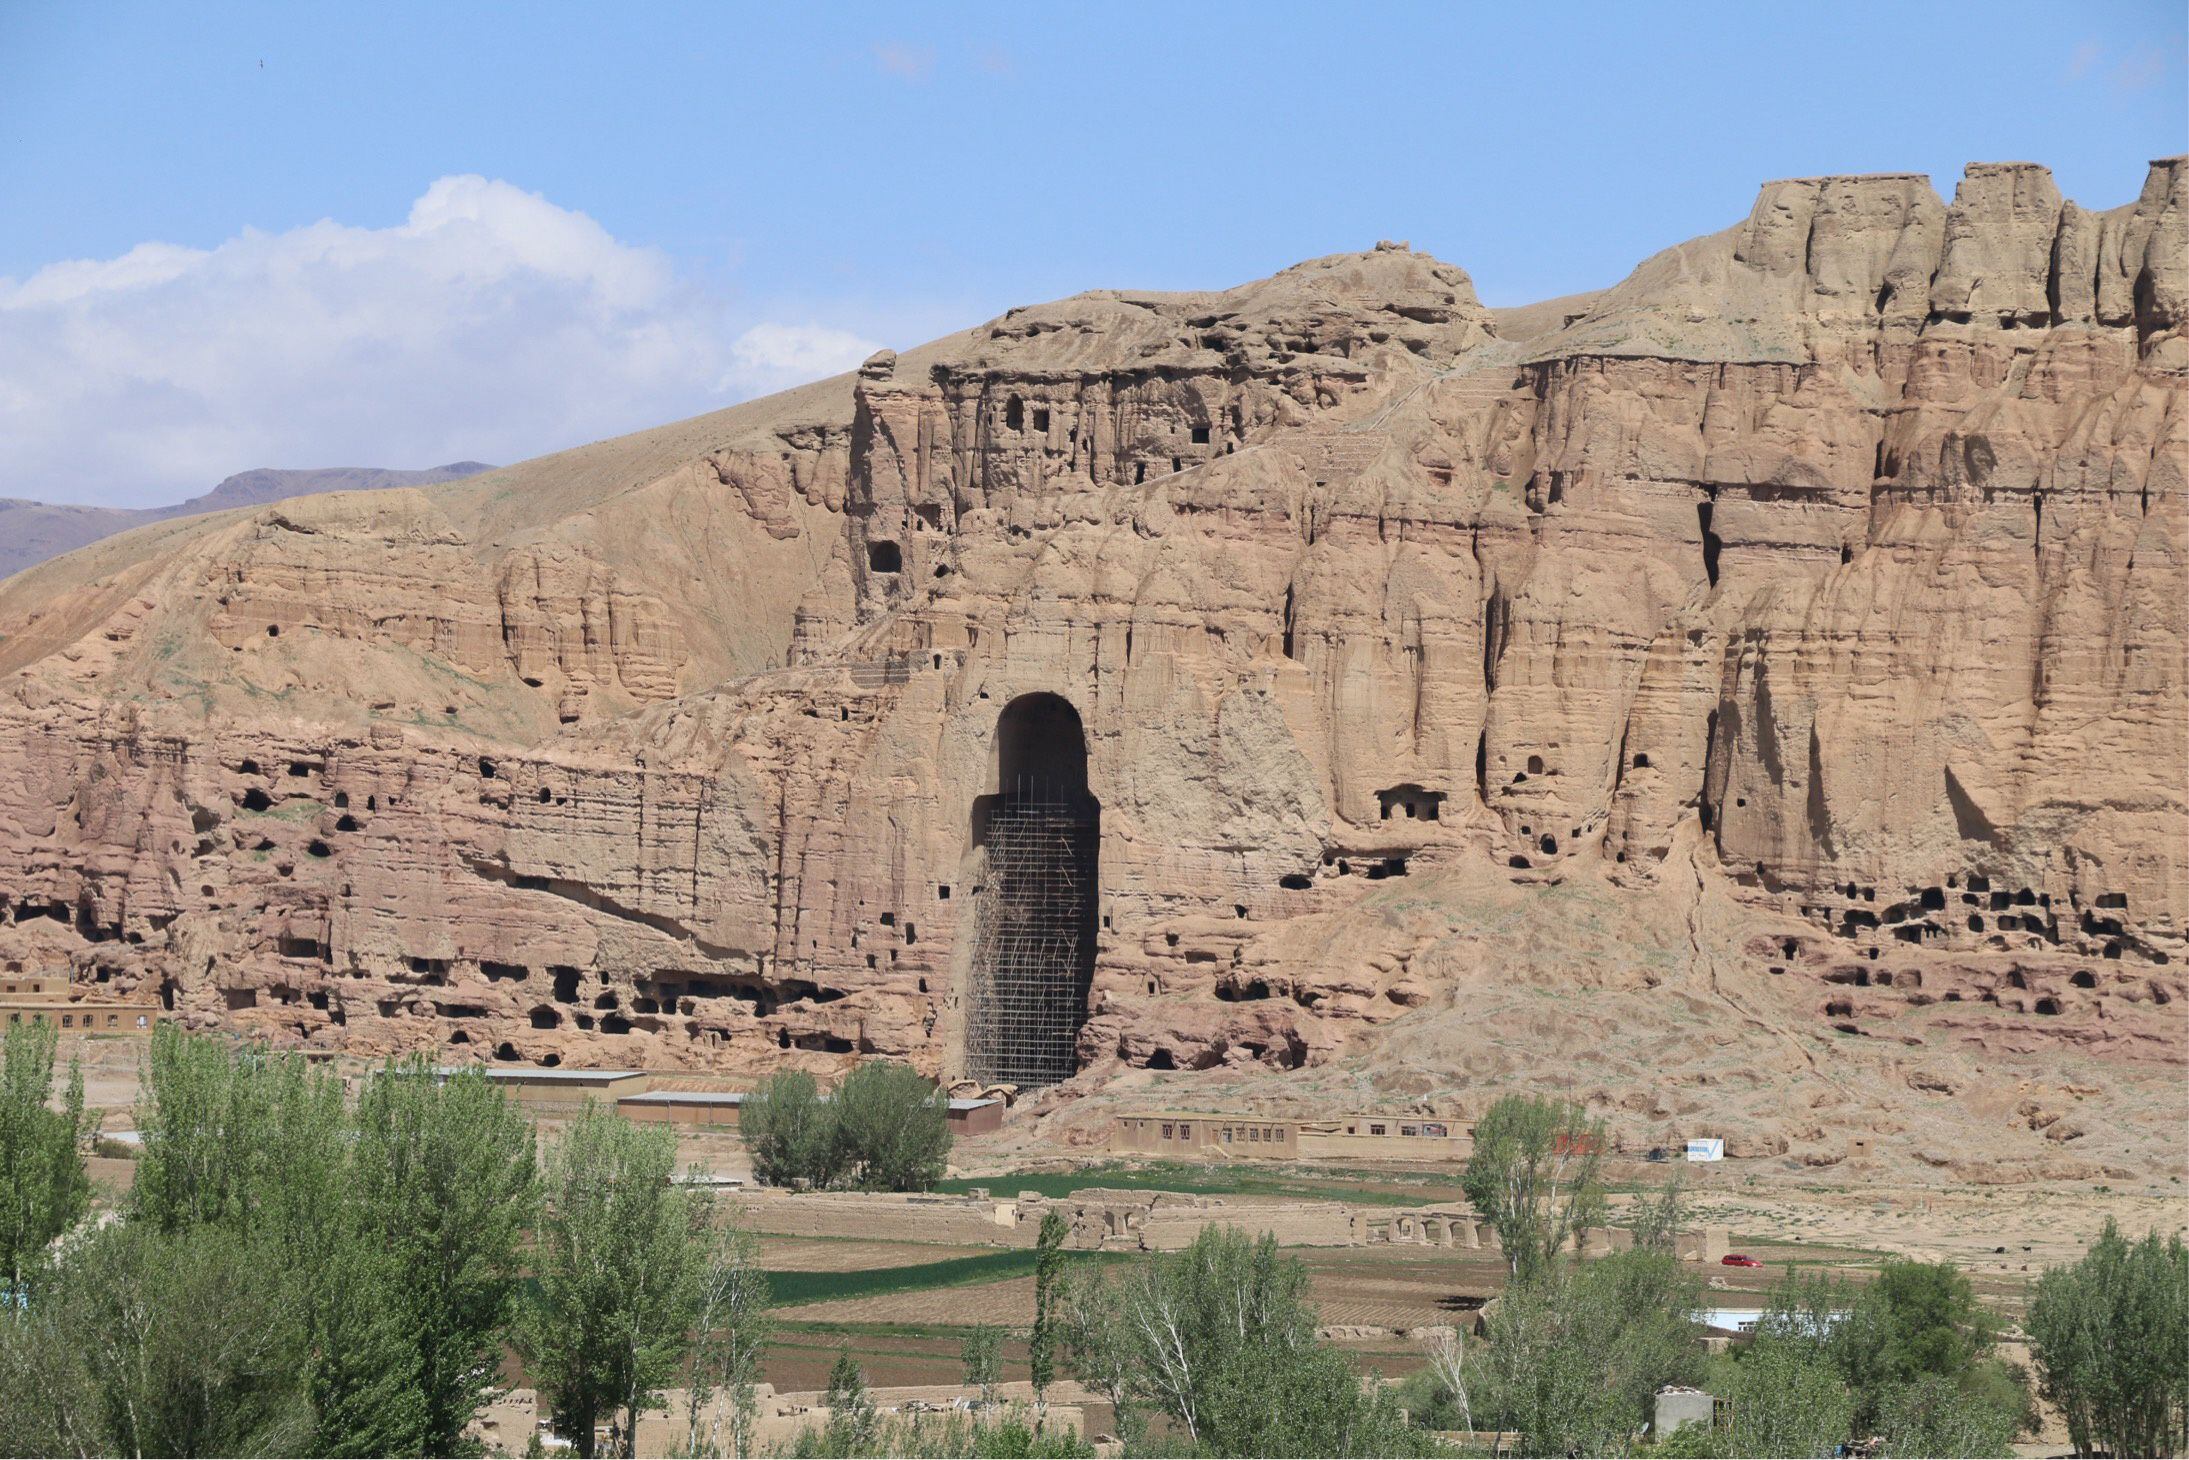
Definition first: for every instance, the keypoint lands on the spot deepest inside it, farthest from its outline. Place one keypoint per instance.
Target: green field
(793, 1288)
(1379, 1188)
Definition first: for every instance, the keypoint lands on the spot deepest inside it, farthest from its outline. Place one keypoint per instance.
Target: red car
(1739, 1259)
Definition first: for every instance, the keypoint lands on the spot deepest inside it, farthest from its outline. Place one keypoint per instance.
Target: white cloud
(489, 324)
(772, 352)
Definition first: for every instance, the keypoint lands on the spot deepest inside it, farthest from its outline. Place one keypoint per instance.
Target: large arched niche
(1037, 835)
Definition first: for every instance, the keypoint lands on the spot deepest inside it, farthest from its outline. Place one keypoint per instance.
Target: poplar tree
(618, 1258)
(1041, 1347)
(1533, 1176)
(731, 1326)
(43, 1187)
(444, 1184)
(2110, 1336)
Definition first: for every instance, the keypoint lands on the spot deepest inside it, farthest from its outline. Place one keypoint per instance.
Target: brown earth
(1751, 698)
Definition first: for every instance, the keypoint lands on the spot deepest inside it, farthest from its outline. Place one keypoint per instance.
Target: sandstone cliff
(1806, 615)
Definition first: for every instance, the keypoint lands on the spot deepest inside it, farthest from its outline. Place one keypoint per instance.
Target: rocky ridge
(31, 532)
(1809, 606)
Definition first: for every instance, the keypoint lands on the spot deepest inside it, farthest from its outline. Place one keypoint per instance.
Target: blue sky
(399, 234)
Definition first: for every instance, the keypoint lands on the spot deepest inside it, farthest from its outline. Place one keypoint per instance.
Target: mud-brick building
(1201, 1136)
(50, 998)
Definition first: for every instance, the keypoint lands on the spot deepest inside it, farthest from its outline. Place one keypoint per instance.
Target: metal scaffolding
(1033, 950)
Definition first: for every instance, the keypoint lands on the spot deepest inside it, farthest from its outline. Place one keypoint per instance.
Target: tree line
(296, 1271)
(1574, 1354)
(299, 1272)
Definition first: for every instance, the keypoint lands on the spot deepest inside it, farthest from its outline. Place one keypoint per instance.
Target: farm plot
(849, 1254)
(1009, 1302)
(1274, 1183)
(1398, 1287)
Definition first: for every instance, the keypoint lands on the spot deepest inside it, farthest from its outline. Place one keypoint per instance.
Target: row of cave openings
(1930, 913)
(1038, 833)
(573, 999)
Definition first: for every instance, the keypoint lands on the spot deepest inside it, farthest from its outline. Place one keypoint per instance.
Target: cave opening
(1711, 541)
(1039, 832)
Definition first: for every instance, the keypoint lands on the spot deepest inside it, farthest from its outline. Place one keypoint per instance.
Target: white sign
(1706, 1148)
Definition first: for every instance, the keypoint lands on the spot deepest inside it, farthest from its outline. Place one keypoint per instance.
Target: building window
(1166, 1130)
(1375, 1130)
(1227, 1135)
(140, 1021)
(68, 1021)
(112, 1020)
(1409, 1130)
(1185, 1132)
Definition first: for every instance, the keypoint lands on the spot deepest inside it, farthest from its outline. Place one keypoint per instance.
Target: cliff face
(1833, 565)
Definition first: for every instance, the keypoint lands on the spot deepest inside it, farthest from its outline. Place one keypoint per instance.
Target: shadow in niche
(1039, 835)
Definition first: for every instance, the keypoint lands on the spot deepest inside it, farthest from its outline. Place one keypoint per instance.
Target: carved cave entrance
(1039, 833)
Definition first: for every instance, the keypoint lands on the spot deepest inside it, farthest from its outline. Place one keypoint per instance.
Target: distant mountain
(31, 532)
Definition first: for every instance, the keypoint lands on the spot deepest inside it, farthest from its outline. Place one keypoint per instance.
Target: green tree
(1935, 1416)
(1041, 1345)
(1576, 1357)
(205, 1126)
(1100, 1348)
(790, 1131)
(1008, 1436)
(1805, 1309)
(445, 1186)
(983, 1355)
(1533, 1175)
(390, 1232)
(150, 1343)
(619, 1255)
(1788, 1399)
(854, 1428)
(239, 1137)
(731, 1326)
(43, 1186)
(1916, 1320)
(892, 1128)
(1656, 1221)
(1220, 1338)
(243, 1140)
(2110, 1338)
(362, 1356)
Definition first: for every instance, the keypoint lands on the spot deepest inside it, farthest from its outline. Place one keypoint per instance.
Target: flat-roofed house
(50, 998)
(558, 1092)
